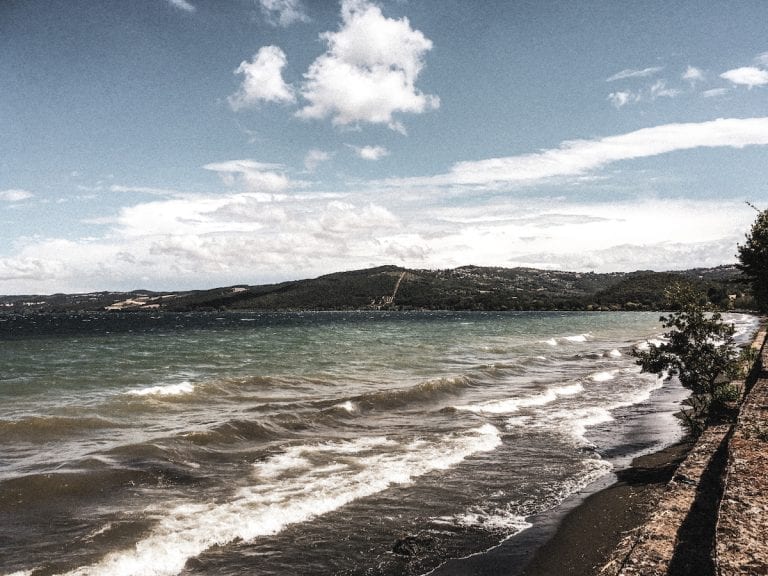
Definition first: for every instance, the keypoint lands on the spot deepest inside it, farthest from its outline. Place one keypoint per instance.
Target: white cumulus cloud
(622, 98)
(182, 5)
(369, 71)
(370, 152)
(283, 12)
(749, 76)
(262, 80)
(659, 89)
(692, 74)
(314, 158)
(15, 195)
(251, 175)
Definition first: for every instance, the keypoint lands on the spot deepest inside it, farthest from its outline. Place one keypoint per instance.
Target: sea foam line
(575, 421)
(604, 376)
(575, 338)
(266, 509)
(164, 390)
(514, 404)
(497, 521)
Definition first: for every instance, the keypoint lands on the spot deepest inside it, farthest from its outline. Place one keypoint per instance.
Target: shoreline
(589, 533)
(645, 443)
(578, 536)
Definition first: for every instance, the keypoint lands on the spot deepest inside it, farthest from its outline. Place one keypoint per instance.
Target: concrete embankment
(742, 527)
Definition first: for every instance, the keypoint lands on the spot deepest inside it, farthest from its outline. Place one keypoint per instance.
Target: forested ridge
(464, 288)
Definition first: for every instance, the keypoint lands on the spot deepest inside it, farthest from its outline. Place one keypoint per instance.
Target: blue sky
(173, 144)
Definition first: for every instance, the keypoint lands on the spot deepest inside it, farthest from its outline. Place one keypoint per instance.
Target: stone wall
(727, 460)
(742, 528)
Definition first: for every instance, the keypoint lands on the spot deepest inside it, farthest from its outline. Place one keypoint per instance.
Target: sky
(180, 144)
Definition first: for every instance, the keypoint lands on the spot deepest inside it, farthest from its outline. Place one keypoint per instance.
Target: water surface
(307, 443)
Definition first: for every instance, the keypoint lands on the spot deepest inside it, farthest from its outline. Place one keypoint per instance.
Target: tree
(699, 351)
(753, 260)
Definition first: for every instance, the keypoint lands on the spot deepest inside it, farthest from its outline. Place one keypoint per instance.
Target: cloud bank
(211, 241)
(268, 227)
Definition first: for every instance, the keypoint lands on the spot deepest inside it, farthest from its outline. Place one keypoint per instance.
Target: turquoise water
(306, 443)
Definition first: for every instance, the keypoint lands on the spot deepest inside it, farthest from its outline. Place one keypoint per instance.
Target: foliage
(753, 260)
(727, 393)
(699, 351)
(645, 289)
(748, 361)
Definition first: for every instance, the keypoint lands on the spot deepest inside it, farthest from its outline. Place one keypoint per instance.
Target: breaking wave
(266, 508)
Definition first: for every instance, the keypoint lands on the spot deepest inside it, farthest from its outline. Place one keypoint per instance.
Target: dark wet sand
(578, 537)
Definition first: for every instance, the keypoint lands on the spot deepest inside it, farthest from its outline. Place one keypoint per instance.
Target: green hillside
(392, 287)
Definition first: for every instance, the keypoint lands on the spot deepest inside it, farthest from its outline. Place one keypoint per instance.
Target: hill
(393, 287)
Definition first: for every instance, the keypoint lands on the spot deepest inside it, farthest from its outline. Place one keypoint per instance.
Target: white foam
(519, 421)
(580, 420)
(577, 338)
(300, 458)
(349, 406)
(99, 531)
(647, 344)
(574, 422)
(745, 325)
(280, 464)
(510, 405)
(603, 376)
(356, 446)
(267, 508)
(164, 390)
(574, 338)
(595, 468)
(496, 521)
(615, 353)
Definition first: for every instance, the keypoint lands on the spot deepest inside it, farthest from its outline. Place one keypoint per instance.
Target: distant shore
(469, 288)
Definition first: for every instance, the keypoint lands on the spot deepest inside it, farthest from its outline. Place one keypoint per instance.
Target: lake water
(308, 443)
